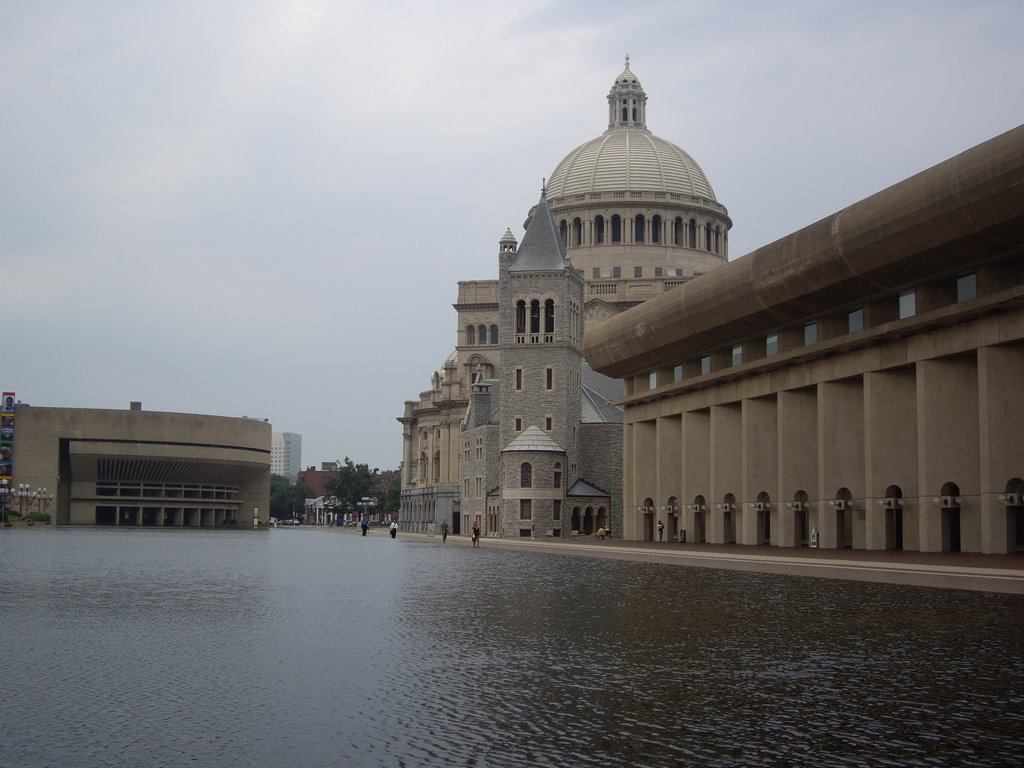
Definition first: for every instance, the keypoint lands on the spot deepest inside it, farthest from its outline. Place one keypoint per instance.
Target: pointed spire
(542, 248)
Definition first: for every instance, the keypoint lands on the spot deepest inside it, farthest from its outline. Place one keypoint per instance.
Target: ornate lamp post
(22, 494)
(42, 500)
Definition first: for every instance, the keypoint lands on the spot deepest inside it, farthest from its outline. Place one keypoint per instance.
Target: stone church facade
(516, 431)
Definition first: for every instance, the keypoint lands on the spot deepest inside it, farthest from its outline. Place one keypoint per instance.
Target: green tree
(350, 484)
(287, 499)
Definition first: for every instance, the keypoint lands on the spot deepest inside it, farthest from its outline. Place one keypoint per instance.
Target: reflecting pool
(302, 647)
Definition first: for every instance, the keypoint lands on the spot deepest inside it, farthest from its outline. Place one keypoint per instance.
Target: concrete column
(948, 438)
(726, 470)
(760, 459)
(629, 514)
(798, 461)
(841, 461)
(1001, 441)
(645, 438)
(890, 456)
(695, 456)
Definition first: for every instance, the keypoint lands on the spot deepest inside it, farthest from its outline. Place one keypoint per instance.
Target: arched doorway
(1013, 500)
(801, 509)
(842, 505)
(672, 519)
(949, 506)
(893, 506)
(647, 519)
(699, 533)
(763, 517)
(728, 509)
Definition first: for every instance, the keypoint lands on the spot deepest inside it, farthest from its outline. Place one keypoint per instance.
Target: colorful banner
(7, 436)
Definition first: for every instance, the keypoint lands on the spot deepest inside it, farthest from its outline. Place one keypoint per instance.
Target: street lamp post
(23, 494)
(42, 500)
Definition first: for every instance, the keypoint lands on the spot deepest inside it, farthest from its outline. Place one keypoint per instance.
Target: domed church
(516, 432)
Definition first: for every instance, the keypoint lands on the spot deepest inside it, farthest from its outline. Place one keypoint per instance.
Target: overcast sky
(262, 208)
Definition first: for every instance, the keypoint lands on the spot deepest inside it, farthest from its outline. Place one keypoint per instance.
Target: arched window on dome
(494, 334)
(677, 231)
(549, 320)
(481, 334)
(563, 232)
(656, 229)
(638, 228)
(599, 230)
(616, 229)
(692, 233)
(526, 475)
(520, 318)
(718, 239)
(707, 237)
(535, 316)
(577, 232)
(470, 334)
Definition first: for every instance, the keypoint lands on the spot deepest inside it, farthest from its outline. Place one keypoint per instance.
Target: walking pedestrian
(661, 530)
(476, 534)
(444, 532)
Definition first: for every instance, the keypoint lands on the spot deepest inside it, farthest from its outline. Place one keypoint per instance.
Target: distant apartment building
(316, 479)
(286, 454)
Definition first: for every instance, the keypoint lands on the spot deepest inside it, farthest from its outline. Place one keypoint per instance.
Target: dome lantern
(627, 102)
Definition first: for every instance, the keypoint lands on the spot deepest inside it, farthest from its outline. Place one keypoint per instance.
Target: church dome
(628, 156)
(629, 159)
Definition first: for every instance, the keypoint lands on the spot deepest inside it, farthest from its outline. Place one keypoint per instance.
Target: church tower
(541, 320)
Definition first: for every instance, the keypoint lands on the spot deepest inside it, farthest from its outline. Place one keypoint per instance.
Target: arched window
(577, 232)
(638, 228)
(520, 316)
(693, 233)
(494, 334)
(557, 482)
(656, 229)
(437, 467)
(422, 469)
(535, 316)
(707, 237)
(677, 231)
(718, 239)
(563, 232)
(549, 316)
(526, 475)
(599, 230)
(481, 333)
(470, 334)
(616, 229)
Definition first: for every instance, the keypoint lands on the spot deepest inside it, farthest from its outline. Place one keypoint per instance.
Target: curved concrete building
(856, 383)
(145, 468)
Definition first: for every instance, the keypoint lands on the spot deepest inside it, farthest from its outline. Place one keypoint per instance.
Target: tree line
(349, 485)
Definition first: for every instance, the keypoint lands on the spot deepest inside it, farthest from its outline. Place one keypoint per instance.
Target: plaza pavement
(984, 573)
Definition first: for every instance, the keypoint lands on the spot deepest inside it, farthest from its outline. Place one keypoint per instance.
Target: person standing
(364, 524)
(476, 534)
(661, 530)
(444, 532)
(394, 528)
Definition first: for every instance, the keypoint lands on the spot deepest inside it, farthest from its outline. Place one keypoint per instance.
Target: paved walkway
(985, 573)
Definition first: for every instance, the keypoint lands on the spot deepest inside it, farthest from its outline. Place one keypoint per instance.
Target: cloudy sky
(263, 207)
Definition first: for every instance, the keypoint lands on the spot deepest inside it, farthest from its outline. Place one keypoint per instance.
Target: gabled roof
(534, 438)
(541, 249)
(582, 488)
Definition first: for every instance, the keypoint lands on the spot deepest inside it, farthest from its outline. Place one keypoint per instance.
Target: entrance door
(894, 529)
(951, 529)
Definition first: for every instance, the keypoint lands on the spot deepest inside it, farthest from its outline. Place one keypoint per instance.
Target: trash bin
(682, 536)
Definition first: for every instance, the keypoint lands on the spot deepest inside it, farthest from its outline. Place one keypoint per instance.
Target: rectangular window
(549, 378)
(966, 287)
(856, 320)
(519, 424)
(595, 273)
(771, 345)
(652, 380)
(525, 509)
(616, 271)
(737, 354)
(556, 512)
(547, 423)
(908, 303)
(659, 271)
(677, 374)
(810, 334)
(705, 365)
(638, 271)
(519, 379)
(679, 271)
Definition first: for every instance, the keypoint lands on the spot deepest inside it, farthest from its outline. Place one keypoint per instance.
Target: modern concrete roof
(957, 213)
